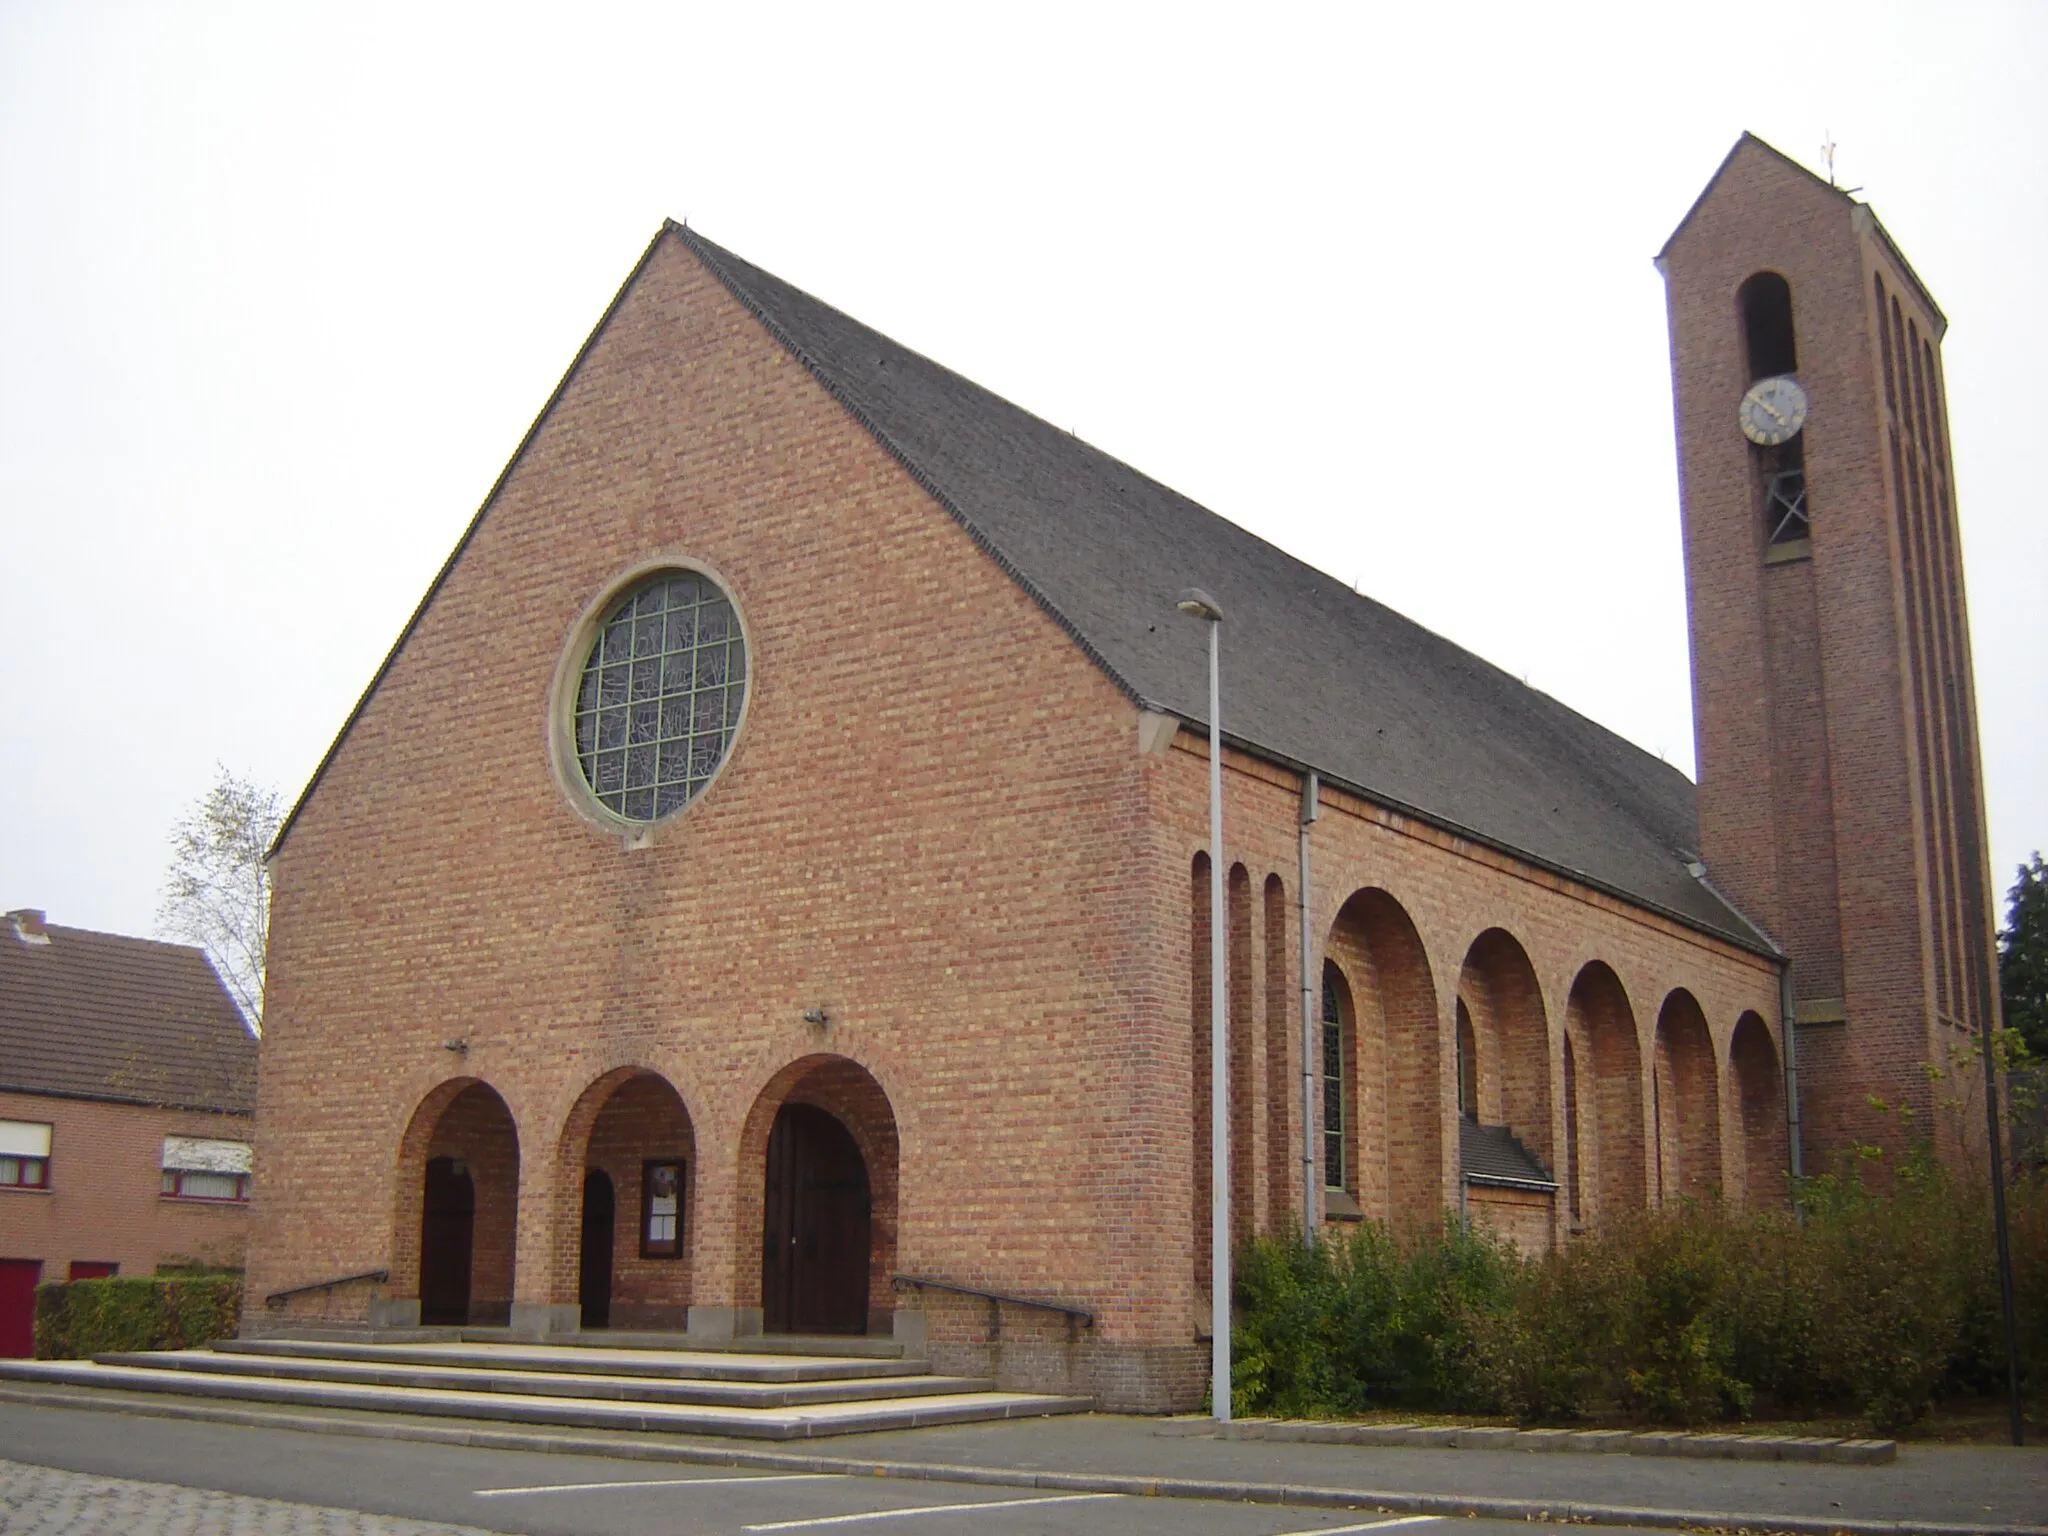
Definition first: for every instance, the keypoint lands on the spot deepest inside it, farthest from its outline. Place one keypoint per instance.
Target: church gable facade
(767, 889)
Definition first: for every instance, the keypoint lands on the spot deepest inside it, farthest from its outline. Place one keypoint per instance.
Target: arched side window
(1336, 1106)
(1468, 1065)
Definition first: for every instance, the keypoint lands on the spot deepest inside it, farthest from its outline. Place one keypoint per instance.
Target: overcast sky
(282, 285)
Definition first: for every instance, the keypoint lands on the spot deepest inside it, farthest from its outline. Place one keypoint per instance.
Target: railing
(997, 1300)
(279, 1298)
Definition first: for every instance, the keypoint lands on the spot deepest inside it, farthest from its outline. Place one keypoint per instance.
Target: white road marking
(659, 1482)
(928, 1509)
(1370, 1525)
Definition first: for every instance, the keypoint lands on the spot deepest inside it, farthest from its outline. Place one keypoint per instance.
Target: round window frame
(564, 763)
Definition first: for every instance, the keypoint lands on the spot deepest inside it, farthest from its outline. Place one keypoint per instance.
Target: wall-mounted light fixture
(817, 1016)
(459, 1047)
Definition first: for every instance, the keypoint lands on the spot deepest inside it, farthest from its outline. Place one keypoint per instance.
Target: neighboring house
(772, 868)
(127, 1103)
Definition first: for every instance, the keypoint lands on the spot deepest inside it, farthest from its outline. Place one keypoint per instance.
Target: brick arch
(849, 1091)
(629, 1114)
(1398, 1082)
(1757, 1081)
(461, 1117)
(1685, 1103)
(1609, 1155)
(1497, 986)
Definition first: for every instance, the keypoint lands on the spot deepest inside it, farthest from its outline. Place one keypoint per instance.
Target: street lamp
(1200, 605)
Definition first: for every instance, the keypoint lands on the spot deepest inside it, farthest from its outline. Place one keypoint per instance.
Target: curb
(1302, 1495)
(1724, 1447)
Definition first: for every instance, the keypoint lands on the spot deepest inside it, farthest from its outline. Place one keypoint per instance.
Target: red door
(18, 1306)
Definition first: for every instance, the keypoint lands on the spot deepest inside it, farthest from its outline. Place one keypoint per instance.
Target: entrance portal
(816, 1227)
(594, 1284)
(447, 1238)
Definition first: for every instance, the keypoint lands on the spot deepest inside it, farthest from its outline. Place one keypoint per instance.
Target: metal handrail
(1085, 1317)
(279, 1298)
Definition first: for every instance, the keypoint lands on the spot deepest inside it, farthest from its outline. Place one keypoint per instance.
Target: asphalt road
(550, 1495)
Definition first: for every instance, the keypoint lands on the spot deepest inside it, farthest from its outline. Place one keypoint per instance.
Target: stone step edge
(684, 1391)
(624, 1448)
(760, 1367)
(816, 1421)
(850, 1346)
(1725, 1447)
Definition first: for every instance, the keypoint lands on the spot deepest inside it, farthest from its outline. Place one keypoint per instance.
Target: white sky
(282, 285)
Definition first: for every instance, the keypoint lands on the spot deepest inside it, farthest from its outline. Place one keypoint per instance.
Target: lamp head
(1197, 604)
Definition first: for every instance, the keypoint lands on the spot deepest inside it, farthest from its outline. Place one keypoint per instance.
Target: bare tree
(217, 891)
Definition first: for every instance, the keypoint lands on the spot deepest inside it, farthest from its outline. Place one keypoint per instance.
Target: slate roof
(1314, 675)
(103, 1016)
(1493, 1154)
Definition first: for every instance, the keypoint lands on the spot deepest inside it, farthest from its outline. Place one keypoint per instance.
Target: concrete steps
(771, 1395)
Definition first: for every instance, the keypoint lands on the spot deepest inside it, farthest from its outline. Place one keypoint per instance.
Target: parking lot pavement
(86, 1473)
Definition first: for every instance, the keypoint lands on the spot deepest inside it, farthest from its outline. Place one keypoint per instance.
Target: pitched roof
(104, 1016)
(1314, 675)
(1493, 1154)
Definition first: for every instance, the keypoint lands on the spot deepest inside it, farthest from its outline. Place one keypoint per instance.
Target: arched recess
(1759, 1084)
(1200, 964)
(1607, 1084)
(1282, 1076)
(1399, 1086)
(1499, 991)
(455, 1253)
(1245, 1099)
(631, 1126)
(823, 1127)
(1686, 1107)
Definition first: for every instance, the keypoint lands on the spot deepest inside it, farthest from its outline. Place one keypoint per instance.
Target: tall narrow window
(1766, 305)
(1573, 1180)
(1335, 1127)
(1468, 1065)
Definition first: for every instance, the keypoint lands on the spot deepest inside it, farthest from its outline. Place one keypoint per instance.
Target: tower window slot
(1766, 305)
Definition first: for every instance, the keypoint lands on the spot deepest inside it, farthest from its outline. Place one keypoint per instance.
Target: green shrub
(78, 1319)
(1872, 1301)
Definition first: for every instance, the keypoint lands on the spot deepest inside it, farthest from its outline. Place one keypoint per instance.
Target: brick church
(766, 887)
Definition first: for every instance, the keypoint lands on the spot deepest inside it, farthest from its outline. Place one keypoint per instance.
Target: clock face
(1773, 411)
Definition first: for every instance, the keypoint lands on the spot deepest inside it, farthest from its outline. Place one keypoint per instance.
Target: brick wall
(104, 1202)
(938, 824)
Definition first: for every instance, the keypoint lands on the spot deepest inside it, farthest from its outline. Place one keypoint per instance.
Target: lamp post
(1198, 604)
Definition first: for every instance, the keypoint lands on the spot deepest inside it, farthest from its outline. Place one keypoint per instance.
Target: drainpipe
(1311, 807)
(1788, 1027)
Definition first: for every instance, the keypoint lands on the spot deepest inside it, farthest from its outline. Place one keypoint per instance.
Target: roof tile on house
(105, 1016)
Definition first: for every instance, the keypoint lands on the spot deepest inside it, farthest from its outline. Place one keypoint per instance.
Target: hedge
(78, 1319)
(1876, 1304)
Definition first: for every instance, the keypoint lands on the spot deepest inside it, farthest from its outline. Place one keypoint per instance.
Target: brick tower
(1840, 801)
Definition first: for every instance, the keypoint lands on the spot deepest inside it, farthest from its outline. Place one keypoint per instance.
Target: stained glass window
(660, 696)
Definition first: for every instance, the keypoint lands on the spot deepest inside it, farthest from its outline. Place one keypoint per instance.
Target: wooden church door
(594, 1280)
(447, 1233)
(814, 1266)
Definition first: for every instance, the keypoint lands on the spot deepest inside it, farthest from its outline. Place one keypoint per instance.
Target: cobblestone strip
(43, 1501)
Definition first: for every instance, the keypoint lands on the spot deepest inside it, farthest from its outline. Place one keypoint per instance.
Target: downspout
(1788, 1028)
(1311, 807)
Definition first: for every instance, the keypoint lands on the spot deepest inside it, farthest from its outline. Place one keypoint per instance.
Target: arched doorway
(627, 1172)
(594, 1269)
(458, 1206)
(816, 1226)
(447, 1241)
(818, 1181)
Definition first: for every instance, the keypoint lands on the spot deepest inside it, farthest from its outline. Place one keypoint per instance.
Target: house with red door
(127, 1101)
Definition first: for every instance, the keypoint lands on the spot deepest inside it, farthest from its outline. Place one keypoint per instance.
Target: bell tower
(1840, 799)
